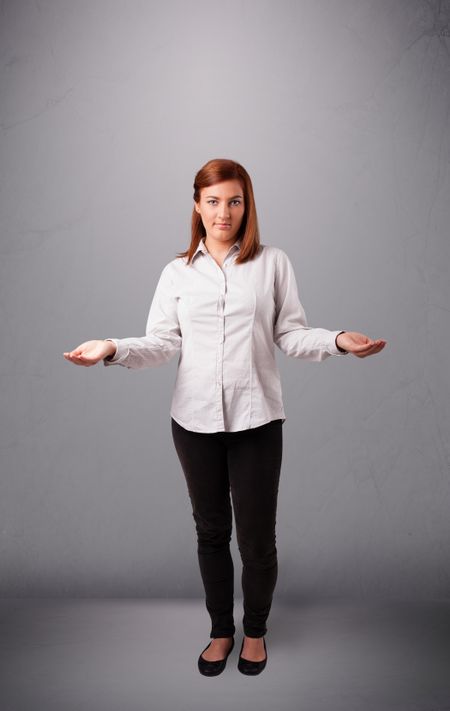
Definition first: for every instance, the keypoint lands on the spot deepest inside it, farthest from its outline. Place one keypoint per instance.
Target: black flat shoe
(213, 668)
(246, 666)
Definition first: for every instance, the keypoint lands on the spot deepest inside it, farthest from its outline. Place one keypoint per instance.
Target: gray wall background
(339, 110)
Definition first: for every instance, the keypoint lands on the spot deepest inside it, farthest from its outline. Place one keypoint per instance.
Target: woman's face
(221, 207)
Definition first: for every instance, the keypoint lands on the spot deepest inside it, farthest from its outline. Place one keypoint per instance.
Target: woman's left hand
(359, 344)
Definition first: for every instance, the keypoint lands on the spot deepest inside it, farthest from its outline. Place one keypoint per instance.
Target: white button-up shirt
(224, 322)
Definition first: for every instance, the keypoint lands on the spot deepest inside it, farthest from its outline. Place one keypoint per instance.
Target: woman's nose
(224, 212)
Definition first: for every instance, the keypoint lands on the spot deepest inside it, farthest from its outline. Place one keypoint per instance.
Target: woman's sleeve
(292, 334)
(162, 338)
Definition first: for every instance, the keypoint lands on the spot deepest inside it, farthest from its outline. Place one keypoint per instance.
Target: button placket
(219, 415)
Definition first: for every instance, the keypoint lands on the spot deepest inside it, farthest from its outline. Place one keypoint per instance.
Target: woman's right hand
(90, 352)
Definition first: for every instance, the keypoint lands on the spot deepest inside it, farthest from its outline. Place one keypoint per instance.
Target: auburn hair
(215, 171)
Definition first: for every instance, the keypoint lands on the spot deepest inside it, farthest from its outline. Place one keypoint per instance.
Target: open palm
(359, 344)
(89, 352)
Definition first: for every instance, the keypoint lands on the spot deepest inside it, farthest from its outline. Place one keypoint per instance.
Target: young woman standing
(222, 305)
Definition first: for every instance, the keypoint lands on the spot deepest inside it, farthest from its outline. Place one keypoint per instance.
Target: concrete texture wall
(339, 110)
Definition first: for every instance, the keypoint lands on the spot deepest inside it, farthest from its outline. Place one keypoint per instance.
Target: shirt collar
(202, 247)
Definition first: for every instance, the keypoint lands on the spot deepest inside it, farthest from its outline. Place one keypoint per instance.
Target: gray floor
(131, 655)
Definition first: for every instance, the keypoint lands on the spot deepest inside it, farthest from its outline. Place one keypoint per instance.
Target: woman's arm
(161, 342)
(295, 338)
(292, 334)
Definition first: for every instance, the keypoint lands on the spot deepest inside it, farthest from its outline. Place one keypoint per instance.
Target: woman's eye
(236, 202)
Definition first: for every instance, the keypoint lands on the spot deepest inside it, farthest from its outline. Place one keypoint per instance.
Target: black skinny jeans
(248, 463)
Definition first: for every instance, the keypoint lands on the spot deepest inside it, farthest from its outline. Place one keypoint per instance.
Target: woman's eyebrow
(216, 198)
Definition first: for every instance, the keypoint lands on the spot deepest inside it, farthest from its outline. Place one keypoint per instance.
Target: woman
(222, 305)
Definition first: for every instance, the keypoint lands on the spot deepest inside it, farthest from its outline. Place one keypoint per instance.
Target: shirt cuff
(334, 348)
(120, 354)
